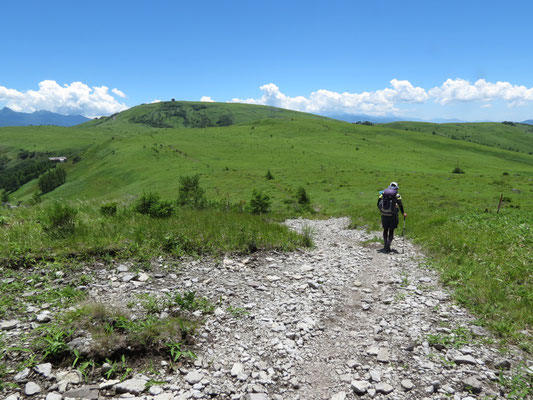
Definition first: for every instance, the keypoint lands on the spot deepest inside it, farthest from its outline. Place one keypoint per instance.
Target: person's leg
(390, 236)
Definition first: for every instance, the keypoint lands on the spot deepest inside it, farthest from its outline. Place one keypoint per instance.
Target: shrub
(260, 203)
(302, 197)
(150, 204)
(190, 193)
(5, 196)
(59, 220)
(162, 209)
(146, 202)
(458, 170)
(108, 209)
(269, 175)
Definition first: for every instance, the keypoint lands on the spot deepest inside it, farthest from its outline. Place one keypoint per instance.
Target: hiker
(389, 203)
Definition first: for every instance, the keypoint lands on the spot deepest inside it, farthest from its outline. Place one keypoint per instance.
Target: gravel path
(341, 321)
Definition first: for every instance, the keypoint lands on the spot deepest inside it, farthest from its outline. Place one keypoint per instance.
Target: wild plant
(190, 193)
(259, 203)
(59, 220)
(176, 352)
(109, 209)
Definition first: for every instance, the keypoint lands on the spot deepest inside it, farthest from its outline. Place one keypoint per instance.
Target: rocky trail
(340, 321)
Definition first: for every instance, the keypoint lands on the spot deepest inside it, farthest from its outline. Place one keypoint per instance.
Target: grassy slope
(341, 166)
(515, 138)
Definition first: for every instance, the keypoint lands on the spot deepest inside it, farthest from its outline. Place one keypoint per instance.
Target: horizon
(412, 61)
(353, 118)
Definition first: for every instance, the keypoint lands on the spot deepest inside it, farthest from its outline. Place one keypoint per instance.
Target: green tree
(260, 203)
(302, 197)
(190, 193)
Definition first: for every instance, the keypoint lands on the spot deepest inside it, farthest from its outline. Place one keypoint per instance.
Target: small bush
(458, 170)
(59, 220)
(302, 197)
(145, 203)
(109, 209)
(260, 203)
(190, 193)
(163, 209)
(150, 204)
(269, 176)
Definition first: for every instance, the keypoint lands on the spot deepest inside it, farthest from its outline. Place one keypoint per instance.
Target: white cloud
(155, 101)
(119, 93)
(386, 101)
(378, 102)
(460, 90)
(486, 105)
(76, 98)
(207, 99)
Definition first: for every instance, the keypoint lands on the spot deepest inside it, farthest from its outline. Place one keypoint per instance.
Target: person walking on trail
(389, 204)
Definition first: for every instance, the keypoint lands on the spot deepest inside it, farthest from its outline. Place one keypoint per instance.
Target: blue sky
(470, 60)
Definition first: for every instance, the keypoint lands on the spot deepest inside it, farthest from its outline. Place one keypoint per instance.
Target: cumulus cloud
(460, 90)
(155, 101)
(119, 93)
(378, 102)
(207, 99)
(386, 101)
(76, 98)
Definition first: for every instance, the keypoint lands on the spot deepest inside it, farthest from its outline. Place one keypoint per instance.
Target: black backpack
(387, 203)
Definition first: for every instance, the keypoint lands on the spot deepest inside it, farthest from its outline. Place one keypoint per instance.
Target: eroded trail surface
(340, 321)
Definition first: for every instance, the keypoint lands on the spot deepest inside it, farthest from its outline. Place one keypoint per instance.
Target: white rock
(143, 277)
(407, 384)
(133, 386)
(339, 396)
(44, 369)
(237, 369)
(384, 388)
(32, 388)
(360, 387)
(194, 377)
(22, 375)
(9, 324)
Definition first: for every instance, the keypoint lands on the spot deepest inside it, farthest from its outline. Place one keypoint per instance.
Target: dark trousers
(389, 225)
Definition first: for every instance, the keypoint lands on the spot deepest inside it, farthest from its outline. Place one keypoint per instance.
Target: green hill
(506, 135)
(484, 255)
(339, 163)
(178, 114)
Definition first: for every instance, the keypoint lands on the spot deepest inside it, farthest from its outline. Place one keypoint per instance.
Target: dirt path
(341, 321)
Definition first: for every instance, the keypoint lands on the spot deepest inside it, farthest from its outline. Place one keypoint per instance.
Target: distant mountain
(9, 117)
(529, 122)
(385, 120)
(361, 117)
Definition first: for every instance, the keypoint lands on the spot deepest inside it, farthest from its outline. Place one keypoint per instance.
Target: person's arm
(400, 204)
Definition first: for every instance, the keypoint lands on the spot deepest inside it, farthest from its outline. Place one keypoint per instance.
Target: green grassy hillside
(508, 136)
(484, 255)
(177, 114)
